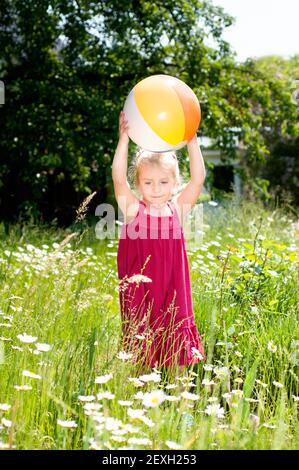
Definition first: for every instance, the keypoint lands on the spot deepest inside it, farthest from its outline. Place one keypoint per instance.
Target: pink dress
(155, 292)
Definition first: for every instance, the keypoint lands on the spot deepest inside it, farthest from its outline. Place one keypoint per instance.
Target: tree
(68, 66)
(279, 171)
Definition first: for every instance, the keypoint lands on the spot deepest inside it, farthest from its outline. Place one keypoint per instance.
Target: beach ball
(163, 113)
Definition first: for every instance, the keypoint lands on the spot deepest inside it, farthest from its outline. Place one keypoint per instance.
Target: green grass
(245, 292)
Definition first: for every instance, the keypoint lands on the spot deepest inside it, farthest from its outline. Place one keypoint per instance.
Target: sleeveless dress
(158, 324)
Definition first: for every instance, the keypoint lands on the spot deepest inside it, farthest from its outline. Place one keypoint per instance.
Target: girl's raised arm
(125, 197)
(189, 196)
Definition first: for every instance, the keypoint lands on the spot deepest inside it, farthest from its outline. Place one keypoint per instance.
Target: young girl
(157, 315)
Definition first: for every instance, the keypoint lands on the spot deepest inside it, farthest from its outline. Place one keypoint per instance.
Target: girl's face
(155, 184)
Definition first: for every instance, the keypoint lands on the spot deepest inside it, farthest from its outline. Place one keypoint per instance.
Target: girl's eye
(147, 183)
(164, 182)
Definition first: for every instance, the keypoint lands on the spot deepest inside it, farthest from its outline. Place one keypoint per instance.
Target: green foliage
(68, 67)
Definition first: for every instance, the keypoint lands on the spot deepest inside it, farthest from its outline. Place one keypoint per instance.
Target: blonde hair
(166, 160)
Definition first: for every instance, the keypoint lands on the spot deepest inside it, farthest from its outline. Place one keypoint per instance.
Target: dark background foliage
(67, 67)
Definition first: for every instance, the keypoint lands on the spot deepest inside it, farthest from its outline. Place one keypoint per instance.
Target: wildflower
(227, 396)
(208, 367)
(124, 356)
(207, 382)
(147, 421)
(221, 372)
(270, 426)
(173, 445)
(86, 398)
(261, 383)
(189, 396)
(92, 406)
(238, 380)
(153, 377)
(213, 203)
(154, 398)
(27, 338)
(27, 373)
(43, 347)
(171, 398)
(4, 407)
(188, 420)
(67, 424)
(277, 384)
(107, 395)
(195, 353)
(6, 422)
(272, 347)
(107, 297)
(131, 429)
(125, 402)
(136, 382)
(118, 438)
(237, 353)
(237, 392)
(112, 424)
(215, 410)
(213, 399)
(254, 419)
(103, 379)
(138, 278)
(140, 336)
(135, 414)
(23, 387)
(295, 398)
(139, 441)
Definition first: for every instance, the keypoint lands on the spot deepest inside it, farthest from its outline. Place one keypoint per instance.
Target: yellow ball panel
(161, 109)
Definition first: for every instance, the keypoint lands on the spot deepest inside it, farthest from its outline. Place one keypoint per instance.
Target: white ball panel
(140, 132)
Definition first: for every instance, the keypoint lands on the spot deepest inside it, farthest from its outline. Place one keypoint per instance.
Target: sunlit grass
(67, 384)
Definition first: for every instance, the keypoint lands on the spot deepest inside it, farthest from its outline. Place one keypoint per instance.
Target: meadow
(66, 383)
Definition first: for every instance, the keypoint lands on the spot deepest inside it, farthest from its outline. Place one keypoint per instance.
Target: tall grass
(65, 385)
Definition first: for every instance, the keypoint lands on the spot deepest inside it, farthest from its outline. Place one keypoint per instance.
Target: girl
(157, 315)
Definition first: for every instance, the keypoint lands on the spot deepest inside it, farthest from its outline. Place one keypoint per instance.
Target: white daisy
(124, 356)
(189, 396)
(27, 373)
(43, 347)
(107, 395)
(5, 406)
(125, 402)
(153, 377)
(86, 398)
(27, 338)
(173, 445)
(215, 410)
(103, 379)
(140, 441)
(135, 413)
(272, 347)
(277, 384)
(154, 398)
(67, 424)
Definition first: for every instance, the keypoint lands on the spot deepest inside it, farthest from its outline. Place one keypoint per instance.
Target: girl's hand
(123, 127)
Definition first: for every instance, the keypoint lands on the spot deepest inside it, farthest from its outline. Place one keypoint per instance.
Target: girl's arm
(125, 197)
(190, 194)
